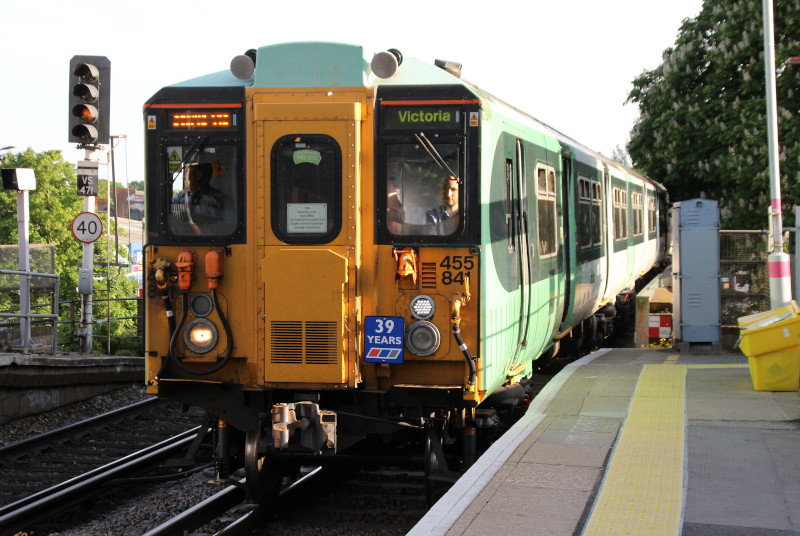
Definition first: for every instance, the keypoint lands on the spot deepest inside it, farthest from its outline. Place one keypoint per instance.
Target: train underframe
(272, 434)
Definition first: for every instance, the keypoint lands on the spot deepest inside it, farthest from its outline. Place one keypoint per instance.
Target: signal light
(89, 99)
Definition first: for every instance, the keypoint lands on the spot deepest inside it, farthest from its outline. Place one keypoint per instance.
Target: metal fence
(54, 323)
(43, 289)
(744, 278)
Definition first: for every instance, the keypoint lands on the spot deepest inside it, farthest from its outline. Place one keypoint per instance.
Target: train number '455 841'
(457, 267)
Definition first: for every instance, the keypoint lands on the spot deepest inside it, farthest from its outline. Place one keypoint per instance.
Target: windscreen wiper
(434, 154)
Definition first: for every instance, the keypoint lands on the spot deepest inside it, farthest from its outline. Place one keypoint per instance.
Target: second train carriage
(344, 246)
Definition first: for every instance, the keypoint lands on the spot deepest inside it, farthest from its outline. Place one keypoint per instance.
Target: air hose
(455, 320)
(160, 266)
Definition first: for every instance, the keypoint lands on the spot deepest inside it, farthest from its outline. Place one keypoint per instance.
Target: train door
(524, 257)
(308, 154)
(568, 244)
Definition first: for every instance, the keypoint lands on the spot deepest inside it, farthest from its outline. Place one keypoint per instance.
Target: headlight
(422, 307)
(423, 338)
(200, 335)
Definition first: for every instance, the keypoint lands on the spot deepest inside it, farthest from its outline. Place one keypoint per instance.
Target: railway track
(377, 501)
(47, 474)
(341, 500)
(381, 501)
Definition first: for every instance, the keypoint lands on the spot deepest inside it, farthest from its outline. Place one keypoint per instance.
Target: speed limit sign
(87, 227)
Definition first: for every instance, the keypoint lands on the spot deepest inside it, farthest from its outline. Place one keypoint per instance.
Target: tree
(53, 205)
(620, 155)
(702, 128)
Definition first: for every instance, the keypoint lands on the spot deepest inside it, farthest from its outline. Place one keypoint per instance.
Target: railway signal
(89, 99)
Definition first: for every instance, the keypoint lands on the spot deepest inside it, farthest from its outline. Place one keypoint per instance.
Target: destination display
(210, 119)
(422, 118)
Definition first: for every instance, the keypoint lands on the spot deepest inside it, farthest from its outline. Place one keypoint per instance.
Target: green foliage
(53, 205)
(702, 128)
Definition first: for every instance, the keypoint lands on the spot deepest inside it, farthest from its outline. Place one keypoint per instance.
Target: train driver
(445, 217)
(200, 202)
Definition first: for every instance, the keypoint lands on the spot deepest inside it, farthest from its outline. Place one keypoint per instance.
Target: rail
(20, 515)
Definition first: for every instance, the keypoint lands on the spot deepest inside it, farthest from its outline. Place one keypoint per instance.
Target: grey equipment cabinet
(696, 276)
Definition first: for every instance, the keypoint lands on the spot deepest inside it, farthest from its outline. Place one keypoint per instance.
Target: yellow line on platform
(642, 491)
(734, 365)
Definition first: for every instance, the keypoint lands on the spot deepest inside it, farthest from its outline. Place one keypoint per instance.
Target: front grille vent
(428, 275)
(310, 343)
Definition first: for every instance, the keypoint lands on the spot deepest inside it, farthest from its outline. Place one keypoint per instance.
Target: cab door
(307, 162)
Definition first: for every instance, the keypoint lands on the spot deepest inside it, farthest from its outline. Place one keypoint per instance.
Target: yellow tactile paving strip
(642, 492)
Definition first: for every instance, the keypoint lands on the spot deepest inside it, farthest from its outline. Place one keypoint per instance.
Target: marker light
(422, 307)
(423, 338)
(201, 304)
(200, 335)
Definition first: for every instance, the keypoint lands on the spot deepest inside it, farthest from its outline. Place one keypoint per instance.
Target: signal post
(89, 105)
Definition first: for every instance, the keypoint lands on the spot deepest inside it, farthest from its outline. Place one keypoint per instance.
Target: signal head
(89, 100)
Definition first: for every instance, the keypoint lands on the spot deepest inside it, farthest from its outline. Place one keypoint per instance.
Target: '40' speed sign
(87, 227)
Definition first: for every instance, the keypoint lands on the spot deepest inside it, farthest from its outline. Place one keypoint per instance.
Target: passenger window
(620, 214)
(589, 211)
(306, 188)
(546, 191)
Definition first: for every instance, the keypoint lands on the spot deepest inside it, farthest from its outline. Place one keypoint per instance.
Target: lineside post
(780, 271)
(86, 271)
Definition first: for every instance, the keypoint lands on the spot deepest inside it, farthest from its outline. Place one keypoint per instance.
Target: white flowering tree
(702, 128)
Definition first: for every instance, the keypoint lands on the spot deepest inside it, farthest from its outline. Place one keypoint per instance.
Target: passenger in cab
(445, 217)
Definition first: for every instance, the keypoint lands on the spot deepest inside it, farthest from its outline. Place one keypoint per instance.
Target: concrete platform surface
(638, 441)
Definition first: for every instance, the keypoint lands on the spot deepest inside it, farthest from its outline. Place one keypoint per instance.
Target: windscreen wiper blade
(434, 154)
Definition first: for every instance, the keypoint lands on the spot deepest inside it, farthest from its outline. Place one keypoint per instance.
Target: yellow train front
(281, 297)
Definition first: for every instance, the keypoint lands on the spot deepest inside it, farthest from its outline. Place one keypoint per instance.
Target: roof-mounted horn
(385, 64)
(449, 66)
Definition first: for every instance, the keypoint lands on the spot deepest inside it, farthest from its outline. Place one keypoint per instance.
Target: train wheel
(263, 482)
(590, 334)
(438, 478)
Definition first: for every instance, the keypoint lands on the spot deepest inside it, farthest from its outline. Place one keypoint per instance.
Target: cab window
(424, 195)
(203, 197)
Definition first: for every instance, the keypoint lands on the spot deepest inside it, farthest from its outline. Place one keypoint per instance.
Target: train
(359, 255)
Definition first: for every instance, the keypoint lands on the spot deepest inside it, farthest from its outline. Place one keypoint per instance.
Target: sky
(569, 63)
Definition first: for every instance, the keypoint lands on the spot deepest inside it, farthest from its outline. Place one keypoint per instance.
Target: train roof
(325, 64)
(318, 64)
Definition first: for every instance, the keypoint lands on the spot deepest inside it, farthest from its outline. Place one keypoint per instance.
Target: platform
(38, 382)
(638, 441)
